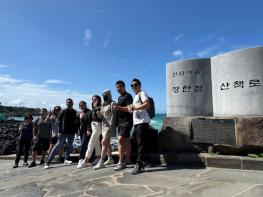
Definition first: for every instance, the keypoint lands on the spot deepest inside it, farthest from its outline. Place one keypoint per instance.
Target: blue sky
(51, 50)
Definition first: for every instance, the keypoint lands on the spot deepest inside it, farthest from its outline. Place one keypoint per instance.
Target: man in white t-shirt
(141, 120)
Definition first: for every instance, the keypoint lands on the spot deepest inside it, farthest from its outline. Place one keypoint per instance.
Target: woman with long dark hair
(96, 126)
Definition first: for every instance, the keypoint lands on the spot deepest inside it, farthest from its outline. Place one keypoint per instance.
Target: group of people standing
(102, 120)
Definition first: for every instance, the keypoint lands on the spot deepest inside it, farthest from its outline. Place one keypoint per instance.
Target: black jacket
(67, 121)
(85, 122)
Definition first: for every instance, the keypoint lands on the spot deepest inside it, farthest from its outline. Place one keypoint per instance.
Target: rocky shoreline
(8, 136)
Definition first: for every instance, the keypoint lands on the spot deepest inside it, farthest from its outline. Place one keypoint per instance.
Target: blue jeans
(84, 145)
(59, 144)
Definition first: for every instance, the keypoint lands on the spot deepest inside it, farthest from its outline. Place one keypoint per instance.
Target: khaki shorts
(106, 132)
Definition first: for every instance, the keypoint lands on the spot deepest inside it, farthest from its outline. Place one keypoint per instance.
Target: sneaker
(99, 165)
(79, 163)
(32, 164)
(128, 163)
(67, 162)
(82, 165)
(137, 169)
(25, 164)
(119, 166)
(15, 165)
(95, 161)
(109, 161)
(46, 166)
(42, 162)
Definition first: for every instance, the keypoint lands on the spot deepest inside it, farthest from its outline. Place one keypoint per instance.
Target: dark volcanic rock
(8, 136)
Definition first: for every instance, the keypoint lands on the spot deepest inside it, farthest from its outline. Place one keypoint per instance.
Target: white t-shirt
(140, 116)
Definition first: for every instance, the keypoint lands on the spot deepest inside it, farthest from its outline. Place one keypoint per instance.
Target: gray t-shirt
(43, 128)
(55, 127)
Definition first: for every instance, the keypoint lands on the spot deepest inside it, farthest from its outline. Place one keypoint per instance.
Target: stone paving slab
(183, 181)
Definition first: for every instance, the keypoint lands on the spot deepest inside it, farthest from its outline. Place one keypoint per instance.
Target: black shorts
(125, 131)
(54, 140)
(41, 145)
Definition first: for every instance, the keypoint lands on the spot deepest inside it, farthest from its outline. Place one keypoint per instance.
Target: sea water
(157, 121)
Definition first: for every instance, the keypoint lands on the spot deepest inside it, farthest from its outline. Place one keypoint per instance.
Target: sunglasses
(134, 85)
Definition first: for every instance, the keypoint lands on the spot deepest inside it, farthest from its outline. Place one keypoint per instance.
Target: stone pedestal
(215, 100)
(176, 135)
(179, 133)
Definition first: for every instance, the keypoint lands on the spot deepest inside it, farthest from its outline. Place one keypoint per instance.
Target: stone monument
(215, 101)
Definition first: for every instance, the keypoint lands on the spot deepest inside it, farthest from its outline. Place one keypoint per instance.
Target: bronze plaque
(214, 131)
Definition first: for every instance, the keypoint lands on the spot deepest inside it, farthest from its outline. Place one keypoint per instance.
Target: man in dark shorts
(41, 137)
(125, 124)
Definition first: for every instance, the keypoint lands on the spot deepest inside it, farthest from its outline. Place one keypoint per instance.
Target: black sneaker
(32, 164)
(137, 169)
(16, 165)
(42, 162)
(25, 164)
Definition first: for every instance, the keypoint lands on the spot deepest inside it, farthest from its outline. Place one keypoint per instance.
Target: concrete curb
(208, 160)
(192, 159)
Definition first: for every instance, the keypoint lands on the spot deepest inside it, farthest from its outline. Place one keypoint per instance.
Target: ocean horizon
(156, 122)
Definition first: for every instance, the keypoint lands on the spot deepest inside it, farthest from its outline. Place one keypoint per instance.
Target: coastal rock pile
(8, 136)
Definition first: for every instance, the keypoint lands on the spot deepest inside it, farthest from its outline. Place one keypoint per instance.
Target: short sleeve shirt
(140, 116)
(44, 128)
(125, 118)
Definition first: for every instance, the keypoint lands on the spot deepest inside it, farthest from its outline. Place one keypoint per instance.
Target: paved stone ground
(61, 180)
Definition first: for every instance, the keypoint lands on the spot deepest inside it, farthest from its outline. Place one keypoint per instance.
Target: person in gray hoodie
(108, 116)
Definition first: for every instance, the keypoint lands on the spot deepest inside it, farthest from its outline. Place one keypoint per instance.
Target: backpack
(151, 109)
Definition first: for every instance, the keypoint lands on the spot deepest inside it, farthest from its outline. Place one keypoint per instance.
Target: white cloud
(106, 42)
(221, 39)
(3, 66)
(99, 11)
(207, 38)
(7, 79)
(213, 38)
(178, 53)
(17, 92)
(207, 52)
(178, 37)
(55, 81)
(87, 36)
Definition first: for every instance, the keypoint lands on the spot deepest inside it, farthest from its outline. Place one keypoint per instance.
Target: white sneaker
(99, 165)
(79, 163)
(46, 166)
(95, 162)
(109, 161)
(67, 162)
(82, 165)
